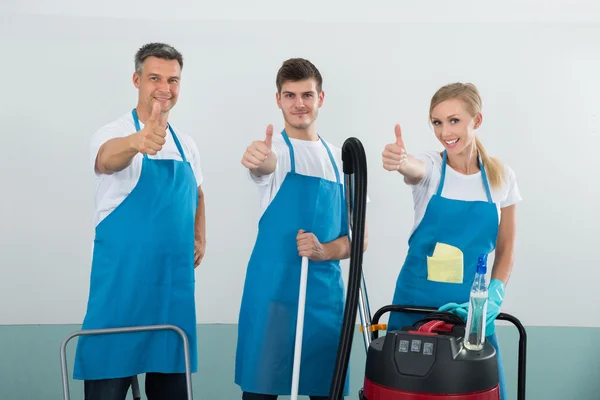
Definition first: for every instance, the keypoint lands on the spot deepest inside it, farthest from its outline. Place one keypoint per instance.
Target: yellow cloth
(446, 264)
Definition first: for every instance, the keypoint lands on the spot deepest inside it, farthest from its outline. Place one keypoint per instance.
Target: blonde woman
(465, 203)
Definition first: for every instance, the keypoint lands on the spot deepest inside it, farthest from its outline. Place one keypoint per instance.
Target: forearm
(505, 245)
(115, 155)
(267, 167)
(339, 249)
(503, 263)
(200, 221)
(413, 170)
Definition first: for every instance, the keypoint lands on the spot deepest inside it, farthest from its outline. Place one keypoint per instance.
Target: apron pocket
(446, 264)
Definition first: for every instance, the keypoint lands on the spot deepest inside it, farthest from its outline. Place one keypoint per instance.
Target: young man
(150, 235)
(300, 180)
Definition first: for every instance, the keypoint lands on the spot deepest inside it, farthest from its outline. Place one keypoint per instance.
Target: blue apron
(470, 226)
(267, 322)
(143, 274)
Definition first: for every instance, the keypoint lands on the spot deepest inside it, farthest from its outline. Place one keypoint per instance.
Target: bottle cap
(482, 264)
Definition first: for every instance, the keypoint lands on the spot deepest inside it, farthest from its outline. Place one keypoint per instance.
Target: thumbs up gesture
(394, 154)
(258, 156)
(151, 138)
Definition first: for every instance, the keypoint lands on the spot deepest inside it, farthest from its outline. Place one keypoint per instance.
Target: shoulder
(187, 141)
(336, 151)
(433, 168)
(336, 154)
(509, 178)
(509, 173)
(430, 157)
(508, 193)
(121, 126)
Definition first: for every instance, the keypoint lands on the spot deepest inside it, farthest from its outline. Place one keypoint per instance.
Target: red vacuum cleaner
(425, 361)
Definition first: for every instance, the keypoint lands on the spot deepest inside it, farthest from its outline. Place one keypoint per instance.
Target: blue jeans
(158, 387)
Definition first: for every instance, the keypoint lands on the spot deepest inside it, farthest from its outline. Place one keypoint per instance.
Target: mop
(299, 328)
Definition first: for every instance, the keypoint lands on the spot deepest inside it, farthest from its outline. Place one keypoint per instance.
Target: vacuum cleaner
(425, 361)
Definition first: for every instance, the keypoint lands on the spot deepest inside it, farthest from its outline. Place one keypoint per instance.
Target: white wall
(66, 69)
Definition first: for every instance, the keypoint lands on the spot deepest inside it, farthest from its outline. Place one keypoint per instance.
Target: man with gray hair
(149, 237)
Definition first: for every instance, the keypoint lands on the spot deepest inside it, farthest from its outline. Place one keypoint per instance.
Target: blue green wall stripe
(563, 363)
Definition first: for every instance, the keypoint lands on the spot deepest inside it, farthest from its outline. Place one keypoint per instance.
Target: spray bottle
(476, 320)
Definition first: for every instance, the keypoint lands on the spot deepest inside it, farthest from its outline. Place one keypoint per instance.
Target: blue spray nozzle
(482, 264)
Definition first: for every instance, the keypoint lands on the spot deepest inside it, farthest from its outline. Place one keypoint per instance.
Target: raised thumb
(398, 133)
(269, 136)
(155, 115)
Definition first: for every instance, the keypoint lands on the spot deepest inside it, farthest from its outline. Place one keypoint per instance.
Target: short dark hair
(298, 69)
(158, 50)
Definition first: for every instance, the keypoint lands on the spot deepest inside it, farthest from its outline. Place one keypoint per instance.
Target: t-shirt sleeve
(102, 136)
(196, 163)
(421, 191)
(513, 195)
(262, 180)
(428, 159)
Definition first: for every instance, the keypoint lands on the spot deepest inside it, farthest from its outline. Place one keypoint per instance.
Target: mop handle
(299, 328)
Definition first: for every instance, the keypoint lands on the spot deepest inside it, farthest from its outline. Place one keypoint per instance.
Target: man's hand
(151, 138)
(258, 157)
(199, 251)
(309, 246)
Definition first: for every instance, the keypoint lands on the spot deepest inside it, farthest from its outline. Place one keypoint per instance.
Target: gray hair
(158, 50)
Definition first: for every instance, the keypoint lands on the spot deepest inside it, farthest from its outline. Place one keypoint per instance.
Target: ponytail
(493, 166)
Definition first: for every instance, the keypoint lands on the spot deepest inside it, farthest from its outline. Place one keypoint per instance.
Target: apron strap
(485, 180)
(181, 153)
(136, 121)
(483, 174)
(289, 145)
(335, 169)
(293, 162)
(443, 177)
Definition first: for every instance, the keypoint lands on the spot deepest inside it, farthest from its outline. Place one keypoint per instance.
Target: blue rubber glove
(495, 299)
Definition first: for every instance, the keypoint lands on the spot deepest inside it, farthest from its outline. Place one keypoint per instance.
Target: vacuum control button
(403, 346)
(428, 349)
(416, 346)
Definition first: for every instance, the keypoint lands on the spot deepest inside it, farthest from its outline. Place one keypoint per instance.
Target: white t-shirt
(311, 158)
(458, 186)
(112, 189)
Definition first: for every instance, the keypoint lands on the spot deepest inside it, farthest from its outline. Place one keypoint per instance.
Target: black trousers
(158, 387)
(256, 396)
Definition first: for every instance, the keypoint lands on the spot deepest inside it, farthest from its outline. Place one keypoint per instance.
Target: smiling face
(300, 102)
(158, 82)
(454, 125)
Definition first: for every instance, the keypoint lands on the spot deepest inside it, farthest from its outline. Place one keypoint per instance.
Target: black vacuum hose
(355, 165)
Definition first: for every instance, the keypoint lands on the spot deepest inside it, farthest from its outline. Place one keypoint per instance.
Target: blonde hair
(469, 95)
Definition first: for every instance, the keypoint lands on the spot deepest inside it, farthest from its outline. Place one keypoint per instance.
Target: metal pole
(299, 329)
(365, 313)
(186, 350)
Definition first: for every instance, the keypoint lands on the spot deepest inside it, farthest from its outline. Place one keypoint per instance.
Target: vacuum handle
(522, 372)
